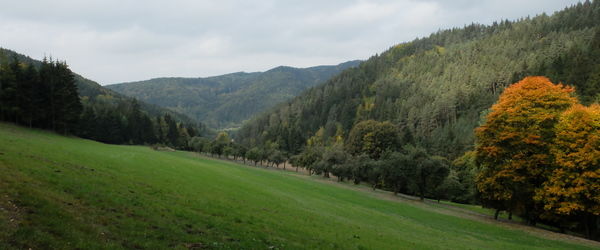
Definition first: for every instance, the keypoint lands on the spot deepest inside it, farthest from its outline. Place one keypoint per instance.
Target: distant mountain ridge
(226, 101)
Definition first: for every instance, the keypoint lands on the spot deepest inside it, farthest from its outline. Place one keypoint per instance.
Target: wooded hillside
(226, 101)
(437, 88)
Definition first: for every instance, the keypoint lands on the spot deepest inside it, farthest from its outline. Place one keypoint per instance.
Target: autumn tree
(513, 144)
(573, 188)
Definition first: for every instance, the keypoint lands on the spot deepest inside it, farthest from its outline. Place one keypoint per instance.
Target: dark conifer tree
(27, 94)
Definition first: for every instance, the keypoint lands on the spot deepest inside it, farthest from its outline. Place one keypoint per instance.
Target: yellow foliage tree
(573, 188)
(513, 144)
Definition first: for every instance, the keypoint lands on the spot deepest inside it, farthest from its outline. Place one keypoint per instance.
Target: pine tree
(70, 107)
(27, 94)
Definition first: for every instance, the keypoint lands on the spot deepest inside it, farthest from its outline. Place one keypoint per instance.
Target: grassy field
(59, 192)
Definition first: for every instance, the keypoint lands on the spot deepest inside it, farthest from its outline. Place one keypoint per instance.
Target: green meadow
(61, 192)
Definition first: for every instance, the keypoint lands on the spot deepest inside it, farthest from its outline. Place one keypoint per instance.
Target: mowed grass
(59, 192)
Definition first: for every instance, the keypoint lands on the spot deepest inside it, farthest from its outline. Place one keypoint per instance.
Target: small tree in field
(240, 152)
(276, 157)
(228, 151)
(425, 172)
(254, 155)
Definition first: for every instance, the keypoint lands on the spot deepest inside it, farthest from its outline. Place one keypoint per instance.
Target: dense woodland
(226, 101)
(438, 87)
(46, 96)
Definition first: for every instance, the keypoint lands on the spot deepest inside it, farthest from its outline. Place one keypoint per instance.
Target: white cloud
(125, 40)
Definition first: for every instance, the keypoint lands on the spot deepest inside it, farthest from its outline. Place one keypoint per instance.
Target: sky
(112, 41)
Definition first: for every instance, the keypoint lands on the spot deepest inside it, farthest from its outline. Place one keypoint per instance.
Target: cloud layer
(114, 41)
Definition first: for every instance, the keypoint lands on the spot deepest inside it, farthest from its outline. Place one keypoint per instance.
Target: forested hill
(437, 88)
(92, 92)
(227, 100)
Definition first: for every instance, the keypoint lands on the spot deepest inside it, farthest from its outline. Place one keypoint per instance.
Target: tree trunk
(496, 214)
(586, 223)
(422, 187)
(532, 222)
(296, 168)
(509, 215)
(591, 226)
(284, 165)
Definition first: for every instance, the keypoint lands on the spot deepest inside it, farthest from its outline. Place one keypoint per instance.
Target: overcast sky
(112, 41)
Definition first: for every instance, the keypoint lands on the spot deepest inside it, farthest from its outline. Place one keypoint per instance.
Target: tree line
(46, 96)
(377, 153)
(43, 98)
(223, 146)
(380, 154)
(126, 123)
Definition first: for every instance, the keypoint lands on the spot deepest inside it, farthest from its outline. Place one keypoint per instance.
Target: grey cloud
(124, 40)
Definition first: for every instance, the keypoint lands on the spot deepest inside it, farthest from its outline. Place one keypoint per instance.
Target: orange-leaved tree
(573, 188)
(513, 144)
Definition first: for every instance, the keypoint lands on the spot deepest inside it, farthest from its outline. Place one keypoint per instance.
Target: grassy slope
(63, 192)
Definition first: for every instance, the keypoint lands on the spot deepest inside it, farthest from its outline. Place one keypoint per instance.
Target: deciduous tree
(573, 188)
(514, 143)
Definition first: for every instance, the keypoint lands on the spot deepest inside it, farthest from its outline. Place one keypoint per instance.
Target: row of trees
(378, 153)
(224, 146)
(44, 97)
(375, 152)
(539, 153)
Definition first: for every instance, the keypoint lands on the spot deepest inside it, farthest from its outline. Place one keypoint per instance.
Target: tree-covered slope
(225, 101)
(436, 88)
(93, 93)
